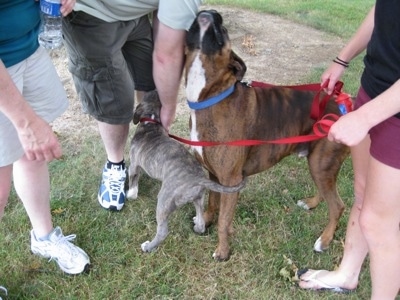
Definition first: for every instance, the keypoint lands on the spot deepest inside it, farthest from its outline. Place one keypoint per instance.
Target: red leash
(320, 130)
(318, 106)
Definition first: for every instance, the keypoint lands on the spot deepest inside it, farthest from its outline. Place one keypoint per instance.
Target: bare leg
(356, 248)
(32, 183)
(114, 139)
(380, 218)
(114, 136)
(139, 96)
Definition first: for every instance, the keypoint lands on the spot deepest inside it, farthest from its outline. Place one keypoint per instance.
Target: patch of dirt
(275, 50)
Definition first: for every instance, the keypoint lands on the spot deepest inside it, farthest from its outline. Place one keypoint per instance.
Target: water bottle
(344, 103)
(50, 33)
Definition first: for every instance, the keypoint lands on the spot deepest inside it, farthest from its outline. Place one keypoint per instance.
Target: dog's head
(208, 36)
(149, 107)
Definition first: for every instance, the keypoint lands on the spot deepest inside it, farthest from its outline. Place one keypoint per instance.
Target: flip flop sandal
(322, 285)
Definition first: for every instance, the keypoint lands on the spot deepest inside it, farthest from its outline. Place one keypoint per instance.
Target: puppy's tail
(216, 187)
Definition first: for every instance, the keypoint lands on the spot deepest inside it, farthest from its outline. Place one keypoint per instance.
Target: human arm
(355, 46)
(351, 128)
(168, 58)
(36, 136)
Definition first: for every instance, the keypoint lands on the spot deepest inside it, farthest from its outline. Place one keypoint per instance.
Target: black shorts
(108, 62)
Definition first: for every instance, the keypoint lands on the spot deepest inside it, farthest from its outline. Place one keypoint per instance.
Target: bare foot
(324, 280)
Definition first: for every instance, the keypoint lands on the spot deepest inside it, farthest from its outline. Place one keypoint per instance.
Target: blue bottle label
(51, 7)
(342, 109)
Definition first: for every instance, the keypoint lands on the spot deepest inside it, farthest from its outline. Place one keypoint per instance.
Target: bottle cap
(51, 7)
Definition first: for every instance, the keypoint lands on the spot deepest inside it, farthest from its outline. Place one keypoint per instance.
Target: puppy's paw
(199, 229)
(145, 247)
(199, 225)
(132, 193)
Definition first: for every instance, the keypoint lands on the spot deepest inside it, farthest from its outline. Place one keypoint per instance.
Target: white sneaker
(112, 188)
(70, 258)
(4, 291)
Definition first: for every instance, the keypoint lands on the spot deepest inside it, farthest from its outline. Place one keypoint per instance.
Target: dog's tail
(216, 187)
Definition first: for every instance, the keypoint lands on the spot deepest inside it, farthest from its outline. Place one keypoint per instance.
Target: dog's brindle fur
(255, 114)
(183, 178)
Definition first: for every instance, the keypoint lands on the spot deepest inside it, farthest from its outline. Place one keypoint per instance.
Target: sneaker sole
(109, 207)
(86, 268)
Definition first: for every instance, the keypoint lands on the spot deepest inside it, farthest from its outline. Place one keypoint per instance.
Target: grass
(273, 236)
(341, 18)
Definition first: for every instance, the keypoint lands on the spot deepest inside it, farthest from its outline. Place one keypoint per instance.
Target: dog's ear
(137, 114)
(238, 66)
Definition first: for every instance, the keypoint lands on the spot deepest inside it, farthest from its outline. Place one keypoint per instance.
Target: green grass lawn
(273, 236)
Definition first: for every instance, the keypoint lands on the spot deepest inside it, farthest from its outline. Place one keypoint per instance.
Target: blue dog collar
(211, 101)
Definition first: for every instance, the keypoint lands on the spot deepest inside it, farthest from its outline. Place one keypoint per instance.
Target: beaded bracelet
(341, 62)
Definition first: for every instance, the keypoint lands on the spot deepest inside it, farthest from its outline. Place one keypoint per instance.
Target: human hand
(39, 141)
(349, 130)
(333, 74)
(67, 6)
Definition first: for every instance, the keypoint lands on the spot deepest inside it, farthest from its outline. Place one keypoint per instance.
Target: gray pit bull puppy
(163, 158)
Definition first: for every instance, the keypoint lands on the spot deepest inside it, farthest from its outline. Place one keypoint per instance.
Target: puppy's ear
(238, 66)
(137, 114)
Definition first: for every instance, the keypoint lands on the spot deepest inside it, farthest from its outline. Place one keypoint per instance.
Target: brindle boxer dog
(213, 70)
(183, 178)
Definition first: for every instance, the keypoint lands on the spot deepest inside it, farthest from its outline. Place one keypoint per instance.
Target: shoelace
(63, 244)
(114, 180)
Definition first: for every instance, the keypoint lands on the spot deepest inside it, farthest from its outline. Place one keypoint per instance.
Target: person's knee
(375, 225)
(367, 222)
(25, 165)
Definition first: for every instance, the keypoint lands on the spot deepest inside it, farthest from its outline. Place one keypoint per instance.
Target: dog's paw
(220, 258)
(318, 245)
(132, 193)
(145, 247)
(303, 204)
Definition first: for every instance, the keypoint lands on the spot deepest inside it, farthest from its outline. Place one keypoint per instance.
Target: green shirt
(177, 14)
